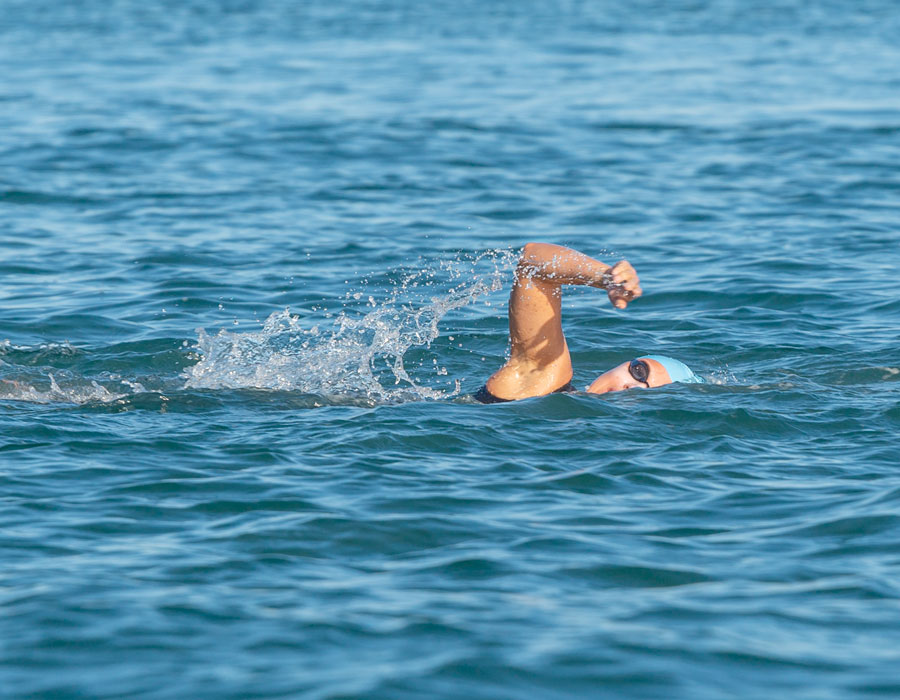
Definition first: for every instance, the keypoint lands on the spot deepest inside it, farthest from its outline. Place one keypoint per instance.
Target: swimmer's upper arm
(535, 320)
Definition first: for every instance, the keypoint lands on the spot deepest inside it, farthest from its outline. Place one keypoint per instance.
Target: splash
(721, 376)
(361, 351)
(49, 389)
(39, 374)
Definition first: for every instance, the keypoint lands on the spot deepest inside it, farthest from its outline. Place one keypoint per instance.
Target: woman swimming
(539, 361)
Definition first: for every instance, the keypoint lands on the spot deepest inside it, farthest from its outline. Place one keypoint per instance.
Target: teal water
(255, 256)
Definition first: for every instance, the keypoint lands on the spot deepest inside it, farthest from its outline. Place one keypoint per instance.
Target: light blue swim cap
(678, 371)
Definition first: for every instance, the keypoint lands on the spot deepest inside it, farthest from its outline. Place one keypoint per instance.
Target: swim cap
(678, 371)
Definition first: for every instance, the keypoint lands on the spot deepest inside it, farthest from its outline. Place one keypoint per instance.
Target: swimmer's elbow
(533, 251)
(534, 254)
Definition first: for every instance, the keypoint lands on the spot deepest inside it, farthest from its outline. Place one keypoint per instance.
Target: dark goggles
(640, 370)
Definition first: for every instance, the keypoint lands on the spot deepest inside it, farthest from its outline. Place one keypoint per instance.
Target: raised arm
(555, 264)
(539, 361)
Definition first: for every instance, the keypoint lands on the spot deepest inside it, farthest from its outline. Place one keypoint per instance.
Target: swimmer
(539, 361)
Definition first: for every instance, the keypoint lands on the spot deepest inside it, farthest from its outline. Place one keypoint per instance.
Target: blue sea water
(255, 256)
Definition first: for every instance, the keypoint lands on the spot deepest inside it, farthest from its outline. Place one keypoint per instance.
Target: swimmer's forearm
(560, 265)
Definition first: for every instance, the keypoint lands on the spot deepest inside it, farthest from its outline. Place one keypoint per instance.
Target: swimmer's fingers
(623, 284)
(622, 274)
(620, 296)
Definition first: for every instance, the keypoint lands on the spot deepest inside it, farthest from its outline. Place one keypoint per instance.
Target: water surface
(255, 256)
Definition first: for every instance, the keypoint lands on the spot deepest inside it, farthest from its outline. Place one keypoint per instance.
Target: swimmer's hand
(622, 284)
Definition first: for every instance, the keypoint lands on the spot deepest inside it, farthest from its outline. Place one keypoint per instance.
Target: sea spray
(361, 351)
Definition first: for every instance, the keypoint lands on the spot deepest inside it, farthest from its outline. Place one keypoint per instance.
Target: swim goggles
(640, 370)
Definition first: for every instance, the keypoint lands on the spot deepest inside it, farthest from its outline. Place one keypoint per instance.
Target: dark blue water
(255, 255)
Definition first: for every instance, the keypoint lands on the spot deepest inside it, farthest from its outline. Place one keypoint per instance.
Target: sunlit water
(255, 258)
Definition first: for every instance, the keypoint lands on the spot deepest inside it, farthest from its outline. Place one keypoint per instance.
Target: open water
(255, 255)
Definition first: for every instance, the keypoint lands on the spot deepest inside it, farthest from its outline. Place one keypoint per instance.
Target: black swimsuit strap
(484, 396)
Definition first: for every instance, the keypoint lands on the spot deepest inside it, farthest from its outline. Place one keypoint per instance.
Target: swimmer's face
(619, 378)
